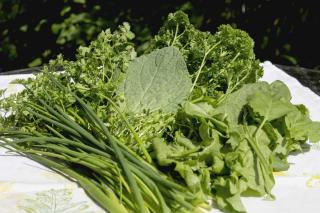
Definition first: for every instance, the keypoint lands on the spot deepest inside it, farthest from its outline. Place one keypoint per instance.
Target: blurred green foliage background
(34, 31)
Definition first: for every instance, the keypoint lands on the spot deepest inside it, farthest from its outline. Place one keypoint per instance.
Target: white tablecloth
(27, 187)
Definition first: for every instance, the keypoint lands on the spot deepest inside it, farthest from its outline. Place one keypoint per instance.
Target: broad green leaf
(229, 202)
(279, 164)
(233, 103)
(314, 132)
(300, 127)
(205, 181)
(202, 109)
(191, 179)
(268, 106)
(236, 203)
(280, 91)
(161, 151)
(157, 81)
(263, 163)
(184, 141)
(247, 163)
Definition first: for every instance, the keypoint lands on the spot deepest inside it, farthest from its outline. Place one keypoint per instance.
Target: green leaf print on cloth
(53, 201)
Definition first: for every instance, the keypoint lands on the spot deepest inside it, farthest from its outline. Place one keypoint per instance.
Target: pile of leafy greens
(191, 108)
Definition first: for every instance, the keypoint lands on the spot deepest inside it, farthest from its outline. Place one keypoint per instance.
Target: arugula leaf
(157, 81)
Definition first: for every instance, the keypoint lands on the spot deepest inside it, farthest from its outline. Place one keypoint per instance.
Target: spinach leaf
(233, 103)
(269, 107)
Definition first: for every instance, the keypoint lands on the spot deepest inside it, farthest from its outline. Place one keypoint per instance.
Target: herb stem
(203, 62)
(135, 135)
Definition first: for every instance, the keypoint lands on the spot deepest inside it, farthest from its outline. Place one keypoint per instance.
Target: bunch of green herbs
(191, 110)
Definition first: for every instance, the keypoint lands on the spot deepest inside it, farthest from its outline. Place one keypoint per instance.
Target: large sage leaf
(157, 81)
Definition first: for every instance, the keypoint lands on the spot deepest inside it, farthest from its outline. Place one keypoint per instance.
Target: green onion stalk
(80, 146)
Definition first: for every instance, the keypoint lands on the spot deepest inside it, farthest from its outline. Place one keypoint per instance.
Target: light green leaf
(203, 110)
(157, 81)
(79, 1)
(35, 62)
(301, 127)
(268, 106)
(161, 152)
(280, 91)
(183, 141)
(314, 132)
(229, 202)
(232, 105)
(192, 180)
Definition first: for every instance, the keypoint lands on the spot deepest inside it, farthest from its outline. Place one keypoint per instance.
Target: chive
(123, 162)
(108, 202)
(113, 172)
(64, 127)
